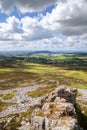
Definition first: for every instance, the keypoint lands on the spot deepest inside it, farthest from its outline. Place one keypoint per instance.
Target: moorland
(19, 72)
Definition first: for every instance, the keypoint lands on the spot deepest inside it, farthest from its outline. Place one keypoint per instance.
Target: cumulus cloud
(11, 29)
(25, 5)
(25, 29)
(69, 18)
(46, 44)
(33, 30)
(64, 28)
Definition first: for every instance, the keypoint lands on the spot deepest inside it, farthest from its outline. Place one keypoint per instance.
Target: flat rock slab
(22, 102)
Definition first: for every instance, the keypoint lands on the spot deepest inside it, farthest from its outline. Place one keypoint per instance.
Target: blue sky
(53, 25)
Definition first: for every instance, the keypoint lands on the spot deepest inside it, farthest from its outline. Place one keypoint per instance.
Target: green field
(50, 70)
(69, 69)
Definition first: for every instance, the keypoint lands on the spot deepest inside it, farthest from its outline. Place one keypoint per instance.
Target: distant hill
(14, 53)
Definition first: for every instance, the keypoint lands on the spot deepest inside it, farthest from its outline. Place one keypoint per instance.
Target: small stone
(83, 112)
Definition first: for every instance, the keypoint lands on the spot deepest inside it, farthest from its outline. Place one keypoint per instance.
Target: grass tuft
(8, 96)
(41, 91)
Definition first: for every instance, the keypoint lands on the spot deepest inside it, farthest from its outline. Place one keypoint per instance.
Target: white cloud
(69, 18)
(33, 30)
(46, 44)
(25, 5)
(64, 28)
(11, 29)
(25, 29)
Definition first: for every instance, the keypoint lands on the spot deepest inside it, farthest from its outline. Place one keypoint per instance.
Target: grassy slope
(19, 73)
(25, 74)
(35, 72)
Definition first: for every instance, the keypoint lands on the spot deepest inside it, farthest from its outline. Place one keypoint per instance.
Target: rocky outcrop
(57, 111)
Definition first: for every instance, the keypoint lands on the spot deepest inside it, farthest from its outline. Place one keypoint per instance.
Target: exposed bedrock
(57, 111)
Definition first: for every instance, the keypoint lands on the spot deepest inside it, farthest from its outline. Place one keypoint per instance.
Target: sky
(54, 25)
